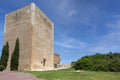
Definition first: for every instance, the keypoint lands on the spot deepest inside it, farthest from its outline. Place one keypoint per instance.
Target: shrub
(4, 57)
(99, 62)
(15, 57)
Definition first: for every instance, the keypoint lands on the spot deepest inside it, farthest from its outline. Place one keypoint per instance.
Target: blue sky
(82, 27)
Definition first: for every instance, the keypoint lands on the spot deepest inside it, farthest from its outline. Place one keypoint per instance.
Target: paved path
(9, 75)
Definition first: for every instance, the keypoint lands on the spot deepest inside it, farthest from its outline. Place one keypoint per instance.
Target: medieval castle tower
(36, 35)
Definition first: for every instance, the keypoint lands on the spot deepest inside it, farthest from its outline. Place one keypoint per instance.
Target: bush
(15, 57)
(99, 62)
(4, 57)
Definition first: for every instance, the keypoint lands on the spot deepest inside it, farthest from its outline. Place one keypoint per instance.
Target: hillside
(70, 74)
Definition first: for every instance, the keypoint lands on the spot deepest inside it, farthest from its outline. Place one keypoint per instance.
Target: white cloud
(68, 42)
(115, 24)
(109, 42)
(72, 13)
(65, 8)
(116, 16)
(63, 5)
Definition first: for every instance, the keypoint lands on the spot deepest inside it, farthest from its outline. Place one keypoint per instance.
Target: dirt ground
(10, 75)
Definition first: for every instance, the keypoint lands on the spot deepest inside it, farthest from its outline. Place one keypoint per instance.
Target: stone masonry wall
(18, 25)
(56, 60)
(42, 42)
(35, 33)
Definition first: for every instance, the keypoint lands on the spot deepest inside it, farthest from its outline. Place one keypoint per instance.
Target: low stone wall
(63, 66)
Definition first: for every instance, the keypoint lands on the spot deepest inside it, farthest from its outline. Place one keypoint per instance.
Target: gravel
(10, 75)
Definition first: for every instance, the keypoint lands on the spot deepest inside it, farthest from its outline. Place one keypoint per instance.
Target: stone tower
(36, 35)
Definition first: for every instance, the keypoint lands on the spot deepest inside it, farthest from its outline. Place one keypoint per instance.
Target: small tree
(4, 57)
(15, 57)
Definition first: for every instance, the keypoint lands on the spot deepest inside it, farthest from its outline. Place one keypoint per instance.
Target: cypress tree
(15, 57)
(4, 57)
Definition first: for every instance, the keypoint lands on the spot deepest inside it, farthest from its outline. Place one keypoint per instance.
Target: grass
(70, 74)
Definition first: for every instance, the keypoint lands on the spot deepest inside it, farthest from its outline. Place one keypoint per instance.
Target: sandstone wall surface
(42, 42)
(56, 60)
(35, 33)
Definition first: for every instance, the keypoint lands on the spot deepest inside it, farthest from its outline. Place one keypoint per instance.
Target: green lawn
(70, 74)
